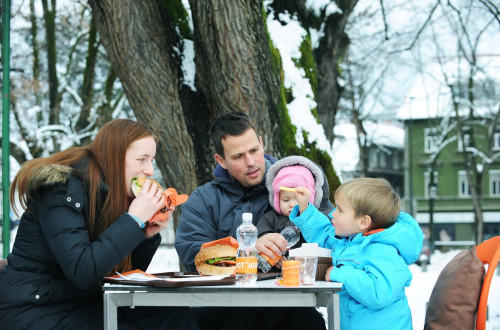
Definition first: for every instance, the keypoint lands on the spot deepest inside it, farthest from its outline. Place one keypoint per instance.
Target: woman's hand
(153, 228)
(149, 201)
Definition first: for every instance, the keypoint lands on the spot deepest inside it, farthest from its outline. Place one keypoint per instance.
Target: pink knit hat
(293, 176)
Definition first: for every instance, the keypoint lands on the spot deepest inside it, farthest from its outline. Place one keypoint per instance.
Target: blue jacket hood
(405, 235)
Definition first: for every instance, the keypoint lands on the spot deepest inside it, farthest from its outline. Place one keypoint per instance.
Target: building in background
(383, 150)
(448, 201)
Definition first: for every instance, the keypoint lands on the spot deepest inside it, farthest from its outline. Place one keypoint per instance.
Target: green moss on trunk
(287, 129)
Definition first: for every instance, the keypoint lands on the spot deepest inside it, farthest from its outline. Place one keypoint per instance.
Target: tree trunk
(235, 71)
(87, 88)
(327, 56)
(234, 67)
(332, 48)
(36, 54)
(139, 42)
(49, 15)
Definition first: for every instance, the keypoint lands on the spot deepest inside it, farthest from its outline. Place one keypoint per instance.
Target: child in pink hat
(292, 172)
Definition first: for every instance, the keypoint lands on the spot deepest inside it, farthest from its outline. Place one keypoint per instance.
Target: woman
(81, 222)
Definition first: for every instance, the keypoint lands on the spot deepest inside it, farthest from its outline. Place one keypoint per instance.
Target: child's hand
(327, 275)
(302, 194)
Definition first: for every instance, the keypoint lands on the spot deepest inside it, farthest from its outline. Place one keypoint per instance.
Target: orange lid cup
(291, 273)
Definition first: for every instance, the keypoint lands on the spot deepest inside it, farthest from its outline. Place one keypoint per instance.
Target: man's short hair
(233, 124)
(374, 197)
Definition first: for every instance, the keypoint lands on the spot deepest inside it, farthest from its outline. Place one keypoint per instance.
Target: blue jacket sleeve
(315, 226)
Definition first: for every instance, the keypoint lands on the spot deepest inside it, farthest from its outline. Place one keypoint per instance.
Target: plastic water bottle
(246, 256)
(292, 236)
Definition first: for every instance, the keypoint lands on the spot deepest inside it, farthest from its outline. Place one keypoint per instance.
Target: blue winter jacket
(373, 269)
(214, 211)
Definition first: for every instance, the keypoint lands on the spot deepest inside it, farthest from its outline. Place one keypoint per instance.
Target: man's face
(243, 158)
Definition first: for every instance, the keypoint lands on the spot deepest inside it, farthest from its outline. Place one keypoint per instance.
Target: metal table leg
(110, 312)
(330, 300)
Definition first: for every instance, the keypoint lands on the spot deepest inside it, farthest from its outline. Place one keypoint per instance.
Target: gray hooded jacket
(273, 222)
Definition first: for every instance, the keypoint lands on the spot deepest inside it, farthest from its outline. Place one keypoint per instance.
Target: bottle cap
(247, 216)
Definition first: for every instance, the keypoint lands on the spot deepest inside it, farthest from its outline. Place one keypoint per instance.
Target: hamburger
(172, 198)
(217, 257)
(137, 184)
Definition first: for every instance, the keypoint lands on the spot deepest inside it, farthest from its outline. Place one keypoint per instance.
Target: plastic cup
(308, 267)
(291, 273)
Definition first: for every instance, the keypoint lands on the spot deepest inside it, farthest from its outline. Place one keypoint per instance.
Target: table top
(260, 286)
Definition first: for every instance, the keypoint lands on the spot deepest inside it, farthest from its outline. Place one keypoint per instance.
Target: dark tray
(184, 275)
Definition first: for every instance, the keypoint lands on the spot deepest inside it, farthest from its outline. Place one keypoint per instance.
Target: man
(214, 211)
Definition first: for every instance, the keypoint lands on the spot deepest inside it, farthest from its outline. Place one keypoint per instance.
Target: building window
(496, 141)
(466, 141)
(396, 160)
(463, 185)
(427, 181)
(382, 160)
(430, 140)
(494, 183)
(373, 160)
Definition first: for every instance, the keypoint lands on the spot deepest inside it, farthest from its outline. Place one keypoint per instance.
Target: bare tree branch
(492, 9)
(385, 19)
(419, 32)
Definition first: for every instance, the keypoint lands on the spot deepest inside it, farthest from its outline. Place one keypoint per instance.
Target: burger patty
(222, 262)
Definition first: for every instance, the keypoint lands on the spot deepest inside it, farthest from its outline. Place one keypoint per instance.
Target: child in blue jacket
(372, 245)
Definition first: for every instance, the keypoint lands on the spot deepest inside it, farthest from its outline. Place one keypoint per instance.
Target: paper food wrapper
(313, 250)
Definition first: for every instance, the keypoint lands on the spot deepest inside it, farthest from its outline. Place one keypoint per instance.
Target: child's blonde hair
(374, 197)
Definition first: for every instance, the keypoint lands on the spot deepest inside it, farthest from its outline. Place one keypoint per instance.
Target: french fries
(287, 189)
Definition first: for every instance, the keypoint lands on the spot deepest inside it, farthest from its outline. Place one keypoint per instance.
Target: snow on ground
(418, 293)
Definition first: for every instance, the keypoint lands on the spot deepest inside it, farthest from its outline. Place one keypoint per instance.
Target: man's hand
(302, 194)
(272, 245)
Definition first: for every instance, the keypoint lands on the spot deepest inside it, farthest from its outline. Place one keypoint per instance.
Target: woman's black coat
(54, 267)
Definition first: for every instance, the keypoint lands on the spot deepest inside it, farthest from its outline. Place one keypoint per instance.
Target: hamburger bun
(137, 184)
(218, 251)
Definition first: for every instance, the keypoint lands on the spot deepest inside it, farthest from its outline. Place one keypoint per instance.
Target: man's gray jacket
(214, 211)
